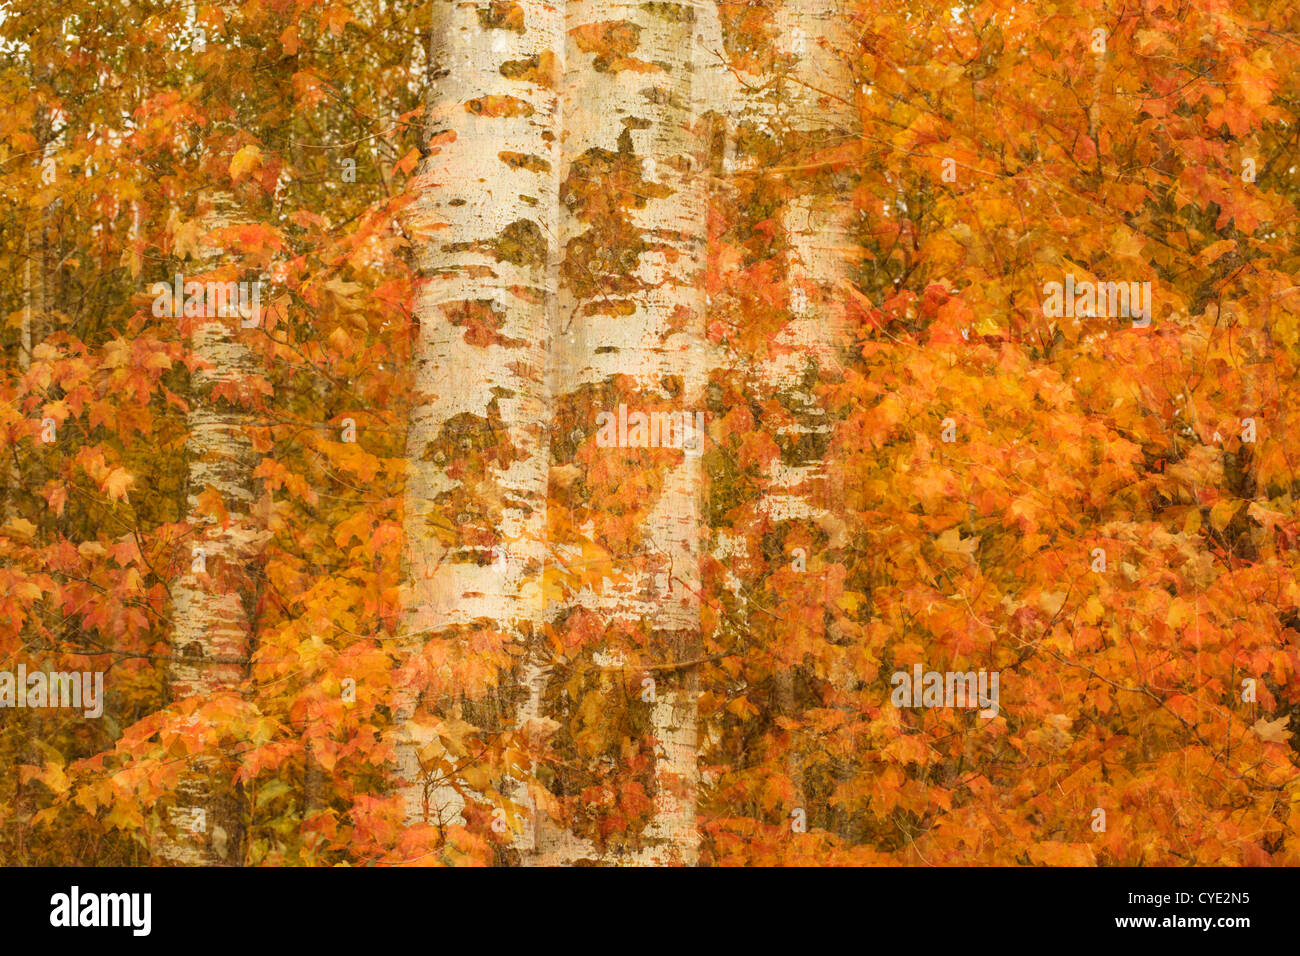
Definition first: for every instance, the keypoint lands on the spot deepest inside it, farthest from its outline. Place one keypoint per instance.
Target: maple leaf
(244, 161)
(116, 483)
(1272, 731)
(20, 528)
(952, 542)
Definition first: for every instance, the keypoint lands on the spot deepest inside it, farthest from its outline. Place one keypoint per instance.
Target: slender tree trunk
(814, 110)
(212, 602)
(803, 110)
(477, 440)
(818, 225)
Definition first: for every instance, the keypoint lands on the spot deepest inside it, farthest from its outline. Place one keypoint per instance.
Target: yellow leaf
(849, 602)
(1216, 250)
(20, 528)
(42, 817)
(1222, 513)
(244, 161)
(951, 541)
(453, 730)
(1062, 854)
(477, 777)
(836, 530)
(1180, 614)
(1093, 610)
(187, 238)
(742, 708)
(133, 260)
(125, 816)
(118, 480)
(116, 353)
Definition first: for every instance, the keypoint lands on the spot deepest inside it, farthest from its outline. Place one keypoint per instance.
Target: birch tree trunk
(804, 108)
(612, 169)
(212, 603)
(486, 222)
(817, 223)
(630, 331)
(811, 106)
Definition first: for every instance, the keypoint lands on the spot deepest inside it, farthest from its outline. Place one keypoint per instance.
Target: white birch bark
(811, 101)
(211, 609)
(485, 221)
(817, 101)
(820, 98)
(819, 229)
(641, 99)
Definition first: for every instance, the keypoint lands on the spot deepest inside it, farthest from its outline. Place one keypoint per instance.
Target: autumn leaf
(116, 483)
(1272, 731)
(244, 161)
